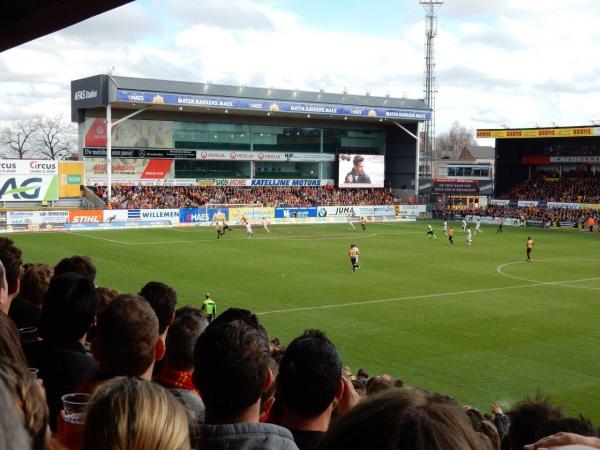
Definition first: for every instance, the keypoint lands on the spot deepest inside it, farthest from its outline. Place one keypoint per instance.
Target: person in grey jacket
(231, 370)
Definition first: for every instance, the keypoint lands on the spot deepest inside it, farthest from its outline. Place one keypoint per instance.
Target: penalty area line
(97, 237)
(398, 299)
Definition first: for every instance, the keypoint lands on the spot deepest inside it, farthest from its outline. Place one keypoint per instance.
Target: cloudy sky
(510, 62)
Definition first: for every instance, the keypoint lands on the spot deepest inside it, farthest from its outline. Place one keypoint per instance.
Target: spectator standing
(231, 371)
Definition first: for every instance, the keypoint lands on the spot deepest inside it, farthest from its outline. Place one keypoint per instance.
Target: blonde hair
(28, 399)
(134, 414)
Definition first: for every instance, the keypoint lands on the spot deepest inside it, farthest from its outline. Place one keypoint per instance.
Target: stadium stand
(137, 197)
(232, 368)
(576, 186)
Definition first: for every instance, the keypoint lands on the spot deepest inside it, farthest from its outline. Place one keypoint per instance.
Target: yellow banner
(539, 133)
(70, 176)
(252, 214)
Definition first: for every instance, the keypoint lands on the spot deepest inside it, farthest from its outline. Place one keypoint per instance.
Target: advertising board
(296, 212)
(36, 217)
(28, 180)
(129, 169)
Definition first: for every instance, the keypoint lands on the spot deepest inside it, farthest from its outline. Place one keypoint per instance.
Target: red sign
(157, 169)
(85, 216)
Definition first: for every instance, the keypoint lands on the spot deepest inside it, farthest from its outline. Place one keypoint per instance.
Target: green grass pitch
(476, 322)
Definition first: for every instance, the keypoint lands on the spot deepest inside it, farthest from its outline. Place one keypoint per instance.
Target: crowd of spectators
(163, 378)
(147, 197)
(524, 213)
(577, 186)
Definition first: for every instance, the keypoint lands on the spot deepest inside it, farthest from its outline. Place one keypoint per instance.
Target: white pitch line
(396, 299)
(96, 237)
(418, 297)
(557, 283)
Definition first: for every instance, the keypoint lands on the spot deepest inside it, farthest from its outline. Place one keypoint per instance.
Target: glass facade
(135, 133)
(208, 136)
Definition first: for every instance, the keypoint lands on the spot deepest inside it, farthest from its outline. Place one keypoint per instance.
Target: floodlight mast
(429, 85)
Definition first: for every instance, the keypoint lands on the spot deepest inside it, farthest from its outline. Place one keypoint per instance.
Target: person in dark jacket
(231, 371)
(68, 311)
(309, 380)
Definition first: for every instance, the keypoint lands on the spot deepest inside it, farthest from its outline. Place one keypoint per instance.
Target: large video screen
(361, 171)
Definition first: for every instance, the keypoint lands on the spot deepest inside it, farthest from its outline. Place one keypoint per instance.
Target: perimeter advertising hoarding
(129, 169)
(361, 171)
(141, 215)
(295, 212)
(36, 217)
(356, 211)
(198, 215)
(254, 214)
(28, 180)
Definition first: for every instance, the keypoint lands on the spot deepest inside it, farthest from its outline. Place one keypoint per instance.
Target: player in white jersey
(469, 236)
(464, 225)
(445, 227)
(265, 224)
(478, 227)
(430, 232)
(249, 229)
(349, 222)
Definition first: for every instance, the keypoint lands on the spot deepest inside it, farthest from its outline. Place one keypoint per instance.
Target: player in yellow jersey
(530, 244)
(363, 223)
(353, 253)
(219, 228)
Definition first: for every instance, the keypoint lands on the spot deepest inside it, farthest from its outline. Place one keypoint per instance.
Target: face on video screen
(359, 171)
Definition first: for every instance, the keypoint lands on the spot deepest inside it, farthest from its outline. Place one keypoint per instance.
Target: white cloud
(512, 62)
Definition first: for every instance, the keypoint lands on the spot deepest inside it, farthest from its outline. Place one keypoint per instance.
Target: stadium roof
(223, 90)
(24, 20)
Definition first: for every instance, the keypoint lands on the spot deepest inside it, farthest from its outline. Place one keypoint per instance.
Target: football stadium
(245, 267)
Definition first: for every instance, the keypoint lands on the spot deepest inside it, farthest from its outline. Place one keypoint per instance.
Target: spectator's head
(578, 425)
(105, 296)
(188, 310)
(231, 366)
(10, 344)
(490, 430)
(12, 433)
(310, 375)
(35, 283)
(163, 299)
(127, 340)
(528, 419)
(11, 258)
(69, 308)
(181, 340)
(28, 399)
(402, 419)
(380, 383)
(82, 265)
(134, 414)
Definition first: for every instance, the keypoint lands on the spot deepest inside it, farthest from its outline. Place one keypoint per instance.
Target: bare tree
(19, 136)
(55, 137)
(450, 143)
